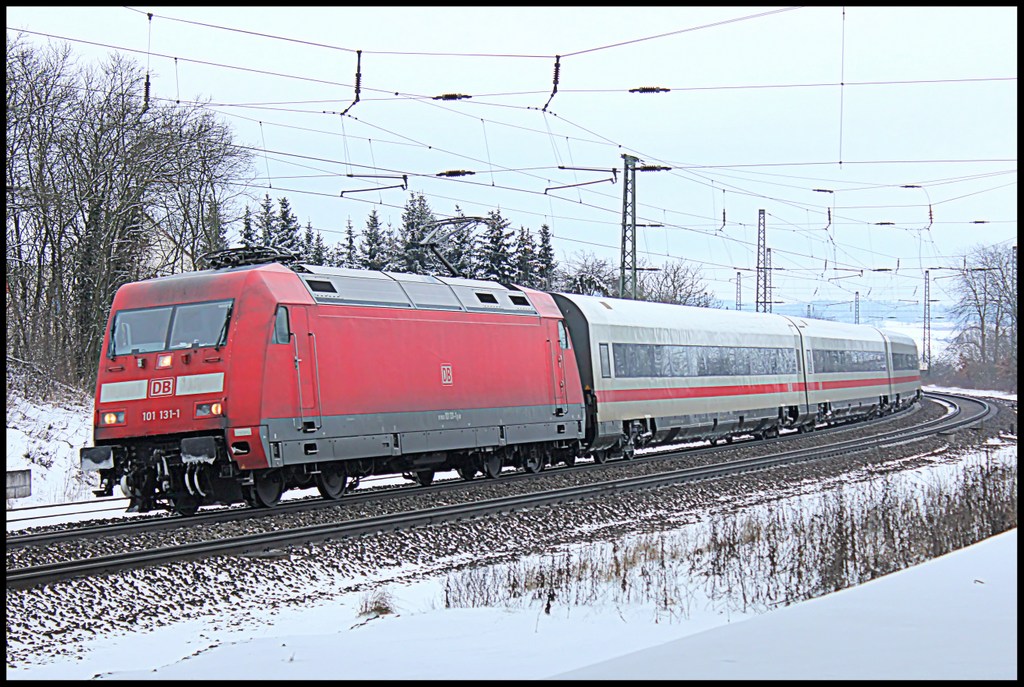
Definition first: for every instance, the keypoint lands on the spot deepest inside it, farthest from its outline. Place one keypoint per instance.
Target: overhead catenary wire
(492, 168)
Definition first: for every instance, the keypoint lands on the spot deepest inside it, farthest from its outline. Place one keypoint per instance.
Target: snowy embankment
(45, 438)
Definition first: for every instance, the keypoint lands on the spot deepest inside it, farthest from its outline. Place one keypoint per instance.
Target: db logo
(161, 387)
(446, 375)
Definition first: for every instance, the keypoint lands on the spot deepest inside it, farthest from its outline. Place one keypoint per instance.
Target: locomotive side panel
(389, 382)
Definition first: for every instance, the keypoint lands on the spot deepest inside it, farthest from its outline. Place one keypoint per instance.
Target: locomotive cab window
(281, 329)
(170, 327)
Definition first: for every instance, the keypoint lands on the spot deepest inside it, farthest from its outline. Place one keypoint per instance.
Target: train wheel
(425, 477)
(533, 461)
(467, 473)
(186, 505)
(331, 482)
(492, 464)
(629, 452)
(600, 457)
(569, 460)
(267, 489)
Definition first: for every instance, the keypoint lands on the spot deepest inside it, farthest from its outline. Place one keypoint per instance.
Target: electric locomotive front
(181, 369)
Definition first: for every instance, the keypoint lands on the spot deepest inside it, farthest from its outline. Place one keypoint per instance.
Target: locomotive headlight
(163, 361)
(211, 409)
(112, 418)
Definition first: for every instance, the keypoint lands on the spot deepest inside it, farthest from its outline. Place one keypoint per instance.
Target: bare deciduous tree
(103, 188)
(984, 349)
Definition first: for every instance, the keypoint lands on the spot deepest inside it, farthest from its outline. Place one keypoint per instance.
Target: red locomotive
(237, 383)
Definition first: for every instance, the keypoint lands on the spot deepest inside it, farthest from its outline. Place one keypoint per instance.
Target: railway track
(151, 523)
(966, 412)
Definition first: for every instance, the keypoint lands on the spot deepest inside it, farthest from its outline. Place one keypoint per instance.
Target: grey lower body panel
(353, 437)
(676, 428)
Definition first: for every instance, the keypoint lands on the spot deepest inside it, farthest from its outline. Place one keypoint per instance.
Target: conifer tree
(319, 253)
(347, 248)
(546, 265)
(285, 233)
(248, 235)
(524, 259)
(414, 258)
(266, 222)
(307, 242)
(215, 231)
(495, 253)
(458, 244)
(375, 249)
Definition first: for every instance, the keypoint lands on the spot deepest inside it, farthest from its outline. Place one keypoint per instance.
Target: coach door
(304, 345)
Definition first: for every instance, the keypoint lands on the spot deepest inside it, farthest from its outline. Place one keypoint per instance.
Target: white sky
(730, 145)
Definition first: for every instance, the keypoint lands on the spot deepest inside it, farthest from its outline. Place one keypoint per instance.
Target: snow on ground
(953, 617)
(45, 439)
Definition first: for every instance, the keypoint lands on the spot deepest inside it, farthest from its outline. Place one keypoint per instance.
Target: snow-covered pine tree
(546, 265)
(414, 258)
(285, 233)
(375, 251)
(495, 250)
(524, 259)
(347, 248)
(248, 235)
(318, 256)
(265, 221)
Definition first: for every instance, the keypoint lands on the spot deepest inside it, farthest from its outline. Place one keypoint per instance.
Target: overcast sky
(755, 118)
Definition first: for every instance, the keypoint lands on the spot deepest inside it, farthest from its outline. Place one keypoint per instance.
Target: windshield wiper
(222, 338)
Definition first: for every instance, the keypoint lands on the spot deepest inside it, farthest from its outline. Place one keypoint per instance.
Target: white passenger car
(657, 373)
(654, 373)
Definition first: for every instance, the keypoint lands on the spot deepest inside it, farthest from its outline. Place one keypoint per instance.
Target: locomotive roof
(342, 285)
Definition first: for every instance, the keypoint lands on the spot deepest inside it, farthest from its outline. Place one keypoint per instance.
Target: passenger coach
(655, 373)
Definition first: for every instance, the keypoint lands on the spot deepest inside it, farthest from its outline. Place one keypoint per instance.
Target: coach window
(606, 367)
(281, 329)
(563, 336)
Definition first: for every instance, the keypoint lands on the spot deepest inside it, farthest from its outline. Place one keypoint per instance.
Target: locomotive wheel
(533, 461)
(267, 489)
(331, 482)
(492, 464)
(570, 460)
(628, 452)
(467, 473)
(425, 477)
(186, 505)
(600, 457)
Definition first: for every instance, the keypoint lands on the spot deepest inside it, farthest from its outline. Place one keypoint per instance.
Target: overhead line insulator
(455, 173)
(650, 89)
(451, 96)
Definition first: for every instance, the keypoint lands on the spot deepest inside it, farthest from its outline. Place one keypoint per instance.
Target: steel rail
(236, 512)
(25, 577)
